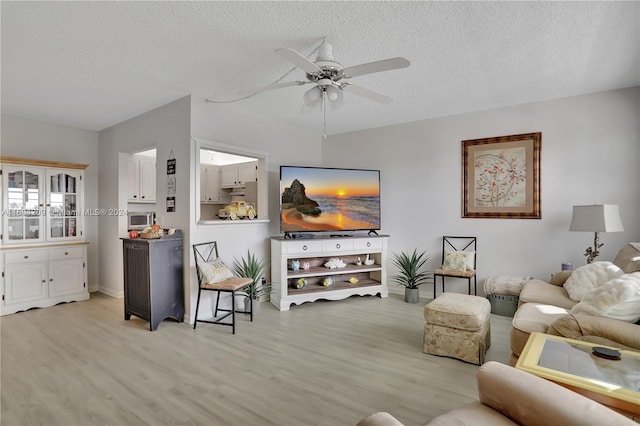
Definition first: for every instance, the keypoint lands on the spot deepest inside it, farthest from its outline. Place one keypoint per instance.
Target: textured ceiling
(95, 64)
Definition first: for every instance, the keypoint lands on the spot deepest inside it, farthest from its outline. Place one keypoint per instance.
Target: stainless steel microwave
(140, 220)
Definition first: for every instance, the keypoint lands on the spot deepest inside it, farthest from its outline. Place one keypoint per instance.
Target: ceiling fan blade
(298, 60)
(377, 66)
(366, 93)
(257, 90)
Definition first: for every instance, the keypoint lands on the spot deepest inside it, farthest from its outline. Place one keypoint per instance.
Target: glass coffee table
(572, 364)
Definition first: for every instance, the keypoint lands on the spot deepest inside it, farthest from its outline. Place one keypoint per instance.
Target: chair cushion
(458, 311)
(462, 274)
(230, 284)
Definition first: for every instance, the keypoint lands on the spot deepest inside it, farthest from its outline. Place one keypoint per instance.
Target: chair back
(204, 252)
(450, 243)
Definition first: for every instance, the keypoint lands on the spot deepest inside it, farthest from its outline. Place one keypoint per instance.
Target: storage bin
(503, 304)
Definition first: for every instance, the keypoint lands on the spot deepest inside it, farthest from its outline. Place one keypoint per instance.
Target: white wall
(167, 129)
(25, 138)
(590, 155)
(230, 125)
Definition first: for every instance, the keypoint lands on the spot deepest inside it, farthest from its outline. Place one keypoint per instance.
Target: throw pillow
(618, 298)
(590, 276)
(214, 271)
(560, 278)
(455, 261)
(628, 258)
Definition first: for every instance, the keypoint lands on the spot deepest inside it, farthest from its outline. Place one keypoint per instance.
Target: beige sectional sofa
(508, 396)
(545, 307)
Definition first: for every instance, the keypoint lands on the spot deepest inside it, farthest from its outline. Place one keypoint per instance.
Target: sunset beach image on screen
(329, 199)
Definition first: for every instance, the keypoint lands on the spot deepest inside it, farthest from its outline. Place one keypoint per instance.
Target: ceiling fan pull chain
(324, 115)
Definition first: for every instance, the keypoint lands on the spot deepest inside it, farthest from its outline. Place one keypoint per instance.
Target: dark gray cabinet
(153, 277)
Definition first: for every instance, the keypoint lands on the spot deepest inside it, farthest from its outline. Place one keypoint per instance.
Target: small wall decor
(171, 183)
(501, 177)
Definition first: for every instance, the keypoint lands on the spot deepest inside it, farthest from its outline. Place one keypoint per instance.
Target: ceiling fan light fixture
(332, 93)
(312, 96)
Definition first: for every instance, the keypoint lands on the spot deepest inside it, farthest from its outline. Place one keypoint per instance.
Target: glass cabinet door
(63, 189)
(24, 207)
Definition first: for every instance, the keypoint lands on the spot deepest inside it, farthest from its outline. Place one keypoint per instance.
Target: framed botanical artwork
(501, 177)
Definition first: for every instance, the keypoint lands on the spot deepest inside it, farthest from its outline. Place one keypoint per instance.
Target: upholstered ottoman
(458, 326)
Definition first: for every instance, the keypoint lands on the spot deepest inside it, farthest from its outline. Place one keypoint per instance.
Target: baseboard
(114, 294)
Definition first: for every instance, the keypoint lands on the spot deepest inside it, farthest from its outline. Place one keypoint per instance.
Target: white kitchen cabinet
(25, 277)
(39, 278)
(209, 183)
(352, 279)
(66, 271)
(142, 179)
(237, 174)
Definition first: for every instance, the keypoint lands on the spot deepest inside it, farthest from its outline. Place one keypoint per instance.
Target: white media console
(352, 279)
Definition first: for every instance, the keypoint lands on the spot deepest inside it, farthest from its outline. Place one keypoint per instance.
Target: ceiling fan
(330, 78)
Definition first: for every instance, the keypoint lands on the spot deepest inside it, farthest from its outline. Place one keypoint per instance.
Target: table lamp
(596, 218)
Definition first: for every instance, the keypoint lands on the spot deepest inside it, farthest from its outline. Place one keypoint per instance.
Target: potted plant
(254, 268)
(411, 273)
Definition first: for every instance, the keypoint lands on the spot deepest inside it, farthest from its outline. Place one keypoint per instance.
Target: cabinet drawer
(66, 253)
(25, 256)
(304, 247)
(367, 244)
(331, 246)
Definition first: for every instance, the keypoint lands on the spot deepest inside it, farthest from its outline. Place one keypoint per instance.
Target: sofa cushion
(532, 317)
(538, 291)
(618, 298)
(472, 414)
(531, 400)
(603, 331)
(587, 277)
(560, 278)
(628, 258)
(381, 418)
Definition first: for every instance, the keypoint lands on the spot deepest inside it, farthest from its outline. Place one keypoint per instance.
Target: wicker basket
(503, 304)
(151, 235)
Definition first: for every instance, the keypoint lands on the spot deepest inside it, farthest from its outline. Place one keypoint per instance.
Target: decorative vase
(411, 295)
(256, 305)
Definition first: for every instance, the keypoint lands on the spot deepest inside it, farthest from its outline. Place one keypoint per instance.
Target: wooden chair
(458, 244)
(208, 252)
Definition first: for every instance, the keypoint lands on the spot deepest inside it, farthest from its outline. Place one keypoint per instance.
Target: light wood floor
(324, 363)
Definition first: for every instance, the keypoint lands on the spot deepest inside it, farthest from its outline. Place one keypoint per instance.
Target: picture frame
(501, 177)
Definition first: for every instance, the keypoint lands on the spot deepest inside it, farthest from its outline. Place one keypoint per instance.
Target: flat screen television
(317, 199)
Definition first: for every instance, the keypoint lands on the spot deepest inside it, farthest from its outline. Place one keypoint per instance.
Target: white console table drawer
(304, 247)
(66, 253)
(335, 246)
(367, 244)
(25, 256)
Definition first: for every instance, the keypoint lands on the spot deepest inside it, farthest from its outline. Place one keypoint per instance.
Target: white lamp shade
(596, 218)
